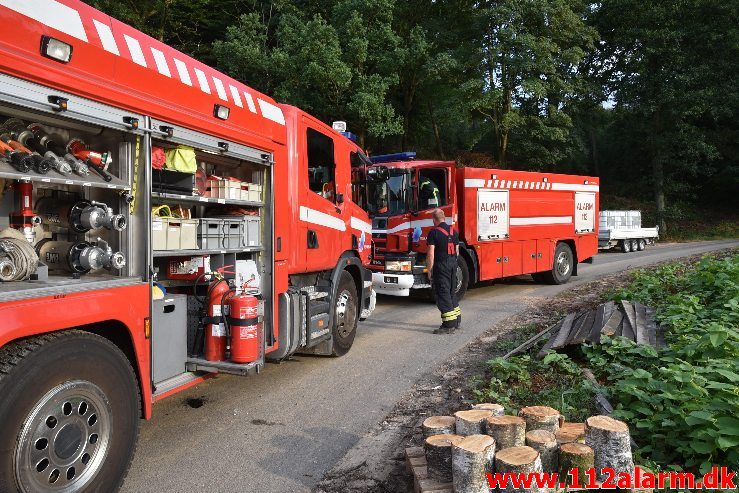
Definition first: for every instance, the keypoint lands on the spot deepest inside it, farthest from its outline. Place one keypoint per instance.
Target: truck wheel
(463, 277)
(634, 245)
(70, 414)
(345, 318)
(562, 266)
(642, 244)
(626, 246)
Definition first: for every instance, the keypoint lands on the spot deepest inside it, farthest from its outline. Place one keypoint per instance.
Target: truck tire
(634, 245)
(463, 277)
(642, 244)
(345, 315)
(70, 413)
(626, 246)
(562, 267)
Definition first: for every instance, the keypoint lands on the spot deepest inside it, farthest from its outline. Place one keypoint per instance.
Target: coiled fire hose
(18, 259)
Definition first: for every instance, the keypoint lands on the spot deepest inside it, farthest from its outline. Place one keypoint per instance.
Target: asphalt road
(280, 431)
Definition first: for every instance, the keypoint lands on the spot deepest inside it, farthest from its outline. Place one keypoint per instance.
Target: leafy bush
(683, 402)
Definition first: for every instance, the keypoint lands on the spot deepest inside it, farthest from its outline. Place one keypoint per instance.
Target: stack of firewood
(460, 450)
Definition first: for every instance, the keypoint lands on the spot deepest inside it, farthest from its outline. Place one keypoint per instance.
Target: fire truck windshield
(393, 196)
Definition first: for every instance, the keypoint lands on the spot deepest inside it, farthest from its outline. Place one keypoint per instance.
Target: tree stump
(472, 457)
(496, 409)
(471, 422)
(575, 455)
(518, 460)
(541, 418)
(439, 456)
(508, 431)
(611, 443)
(546, 444)
(438, 425)
(571, 432)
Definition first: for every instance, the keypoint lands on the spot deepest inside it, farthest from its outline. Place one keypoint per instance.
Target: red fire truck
(256, 249)
(510, 222)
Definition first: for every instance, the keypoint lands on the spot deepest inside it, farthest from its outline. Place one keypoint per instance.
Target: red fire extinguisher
(245, 327)
(215, 328)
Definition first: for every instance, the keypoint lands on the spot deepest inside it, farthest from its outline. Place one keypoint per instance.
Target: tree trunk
(496, 409)
(611, 442)
(545, 443)
(471, 422)
(439, 456)
(472, 457)
(518, 460)
(575, 456)
(571, 432)
(541, 418)
(437, 133)
(658, 170)
(594, 152)
(438, 425)
(508, 431)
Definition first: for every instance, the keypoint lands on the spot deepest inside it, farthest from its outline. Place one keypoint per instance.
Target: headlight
(399, 265)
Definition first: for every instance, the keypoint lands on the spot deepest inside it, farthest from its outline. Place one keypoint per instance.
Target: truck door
(433, 192)
(320, 214)
(584, 212)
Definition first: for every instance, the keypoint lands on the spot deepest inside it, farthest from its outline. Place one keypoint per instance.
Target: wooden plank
(628, 329)
(630, 314)
(650, 314)
(419, 473)
(584, 328)
(641, 324)
(432, 485)
(557, 340)
(613, 323)
(526, 345)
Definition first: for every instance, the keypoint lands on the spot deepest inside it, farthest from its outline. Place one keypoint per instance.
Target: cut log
(545, 443)
(558, 340)
(438, 425)
(612, 324)
(496, 409)
(530, 342)
(518, 460)
(439, 456)
(471, 422)
(508, 431)
(472, 457)
(650, 314)
(571, 432)
(584, 329)
(641, 324)
(575, 455)
(610, 440)
(630, 318)
(541, 418)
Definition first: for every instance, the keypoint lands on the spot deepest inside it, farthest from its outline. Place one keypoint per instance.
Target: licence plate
(391, 280)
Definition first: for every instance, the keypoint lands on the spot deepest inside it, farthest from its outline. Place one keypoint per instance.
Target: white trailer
(623, 229)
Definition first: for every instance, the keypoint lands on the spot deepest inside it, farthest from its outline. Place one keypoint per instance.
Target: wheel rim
(64, 439)
(346, 314)
(459, 279)
(563, 264)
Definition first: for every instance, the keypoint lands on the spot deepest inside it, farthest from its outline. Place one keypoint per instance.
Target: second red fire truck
(510, 222)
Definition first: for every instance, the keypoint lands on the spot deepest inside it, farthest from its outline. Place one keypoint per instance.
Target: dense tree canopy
(643, 94)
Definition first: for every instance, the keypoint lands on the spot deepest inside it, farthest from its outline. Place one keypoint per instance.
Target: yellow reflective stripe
(451, 312)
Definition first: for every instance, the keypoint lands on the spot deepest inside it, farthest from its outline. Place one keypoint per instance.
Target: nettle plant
(683, 401)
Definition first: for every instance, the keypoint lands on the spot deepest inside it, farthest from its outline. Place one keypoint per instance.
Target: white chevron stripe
(161, 62)
(134, 48)
(106, 37)
(183, 72)
(50, 13)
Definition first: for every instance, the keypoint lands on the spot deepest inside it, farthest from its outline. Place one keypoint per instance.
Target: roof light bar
(389, 158)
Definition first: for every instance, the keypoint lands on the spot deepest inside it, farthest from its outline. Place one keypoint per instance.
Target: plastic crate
(253, 231)
(233, 233)
(210, 233)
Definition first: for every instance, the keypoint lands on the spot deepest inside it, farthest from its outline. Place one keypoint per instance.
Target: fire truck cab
(160, 223)
(509, 222)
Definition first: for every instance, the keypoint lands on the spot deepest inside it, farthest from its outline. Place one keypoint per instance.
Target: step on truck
(510, 223)
(160, 222)
(623, 230)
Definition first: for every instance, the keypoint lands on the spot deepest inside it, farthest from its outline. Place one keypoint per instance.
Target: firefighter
(428, 192)
(441, 259)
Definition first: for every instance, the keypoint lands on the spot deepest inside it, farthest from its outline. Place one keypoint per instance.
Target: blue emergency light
(349, 136)
(390, 158)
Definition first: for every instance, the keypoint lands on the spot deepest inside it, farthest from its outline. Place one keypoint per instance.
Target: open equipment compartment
(71, 197)
(217, 219)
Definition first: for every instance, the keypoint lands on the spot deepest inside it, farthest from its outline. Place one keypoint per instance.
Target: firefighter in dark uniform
(441, 259)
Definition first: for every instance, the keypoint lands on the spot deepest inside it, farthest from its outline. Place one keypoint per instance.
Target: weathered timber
(575, 455)
(571, 432)
(518, 460)
(630, 315)
(541, 418)
(438, 450)
(472, 457)
(508, 431)
(583, 331)
(650, 314)
(611, 442)
(612, 324)
(430, 485)
(412, 453)
(496, 409)
(557, 340)
(546, 444)
(471, 422)
(531, 341)
(438, 425)
(641, 324)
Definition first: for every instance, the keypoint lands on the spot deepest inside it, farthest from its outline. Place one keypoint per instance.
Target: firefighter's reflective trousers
(445, 290)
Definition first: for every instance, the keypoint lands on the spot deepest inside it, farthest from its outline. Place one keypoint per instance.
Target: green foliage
(555, 381)
(682, 401)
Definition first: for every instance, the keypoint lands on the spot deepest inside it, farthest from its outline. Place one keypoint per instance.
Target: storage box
(169, 337)
(233, 233)
(187, 268)
(210, 234)
(168, 181)
(173, 228)
(253, 231)
(189, 234)
(255, 192)
(158, 233)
